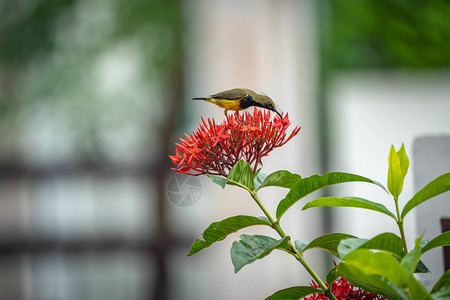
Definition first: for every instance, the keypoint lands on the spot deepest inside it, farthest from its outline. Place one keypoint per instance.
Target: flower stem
(400, 224)
(294, 251)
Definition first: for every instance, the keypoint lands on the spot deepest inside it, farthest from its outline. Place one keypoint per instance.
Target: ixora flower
(343, 290)
(215, 149)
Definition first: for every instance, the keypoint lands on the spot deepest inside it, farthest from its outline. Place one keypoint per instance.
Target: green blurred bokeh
(59, 58)
(387, 34)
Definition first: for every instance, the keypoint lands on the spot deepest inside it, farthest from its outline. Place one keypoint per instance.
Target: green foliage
(381, 273)
(411, 260)
(442, 284)
(332, 276)
(443, 293)
(311, 184)
(19, 44)
(294, 293)
(259, 179)
(253, 247)
(387, 242)
(328, 242)
(439, 241)
(379, 265)
(217, 231)
(348, 202)
(395, 180)
(56, 58)
(398, 167)
(219, 180)
(241, 175)
(438, 186)
(385, 34)
(280, 178)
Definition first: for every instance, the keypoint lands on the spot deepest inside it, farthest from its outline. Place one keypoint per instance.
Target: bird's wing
(233, 94)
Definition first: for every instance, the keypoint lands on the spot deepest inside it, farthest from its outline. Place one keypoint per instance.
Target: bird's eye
(270, 105)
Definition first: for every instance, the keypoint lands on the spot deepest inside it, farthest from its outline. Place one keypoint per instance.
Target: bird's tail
(201, 99)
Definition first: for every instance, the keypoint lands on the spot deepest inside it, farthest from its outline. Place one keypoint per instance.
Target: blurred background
(94, 94)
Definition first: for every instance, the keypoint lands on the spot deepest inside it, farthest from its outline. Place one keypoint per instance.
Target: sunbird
(239, 99)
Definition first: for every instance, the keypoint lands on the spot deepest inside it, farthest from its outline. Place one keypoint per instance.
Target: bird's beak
(278, 111)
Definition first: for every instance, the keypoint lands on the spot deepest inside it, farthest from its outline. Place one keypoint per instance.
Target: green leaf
(306, 186)
(328, 242)
(281, 178)
(416, 290)
(332, 276)
(442, 294)
(241, 175)
(218, 180)
(218, 231)
(377, 272)
(404, 160)
(422, 268)
(253, 247)
(347, 246)
(381, 273)
(441, 240)
(349, 202)
(259, 179)
(301, 245)
(294, 293)
(410, 260)
(395, 175)
(387, 241)
(438, 186)
(443, 282)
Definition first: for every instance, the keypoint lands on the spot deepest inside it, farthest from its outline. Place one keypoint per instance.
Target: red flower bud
(343, 290)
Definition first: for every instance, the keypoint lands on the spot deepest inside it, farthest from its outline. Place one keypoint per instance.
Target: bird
(239, 98)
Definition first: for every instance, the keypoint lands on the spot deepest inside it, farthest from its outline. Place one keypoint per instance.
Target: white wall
(432, 159)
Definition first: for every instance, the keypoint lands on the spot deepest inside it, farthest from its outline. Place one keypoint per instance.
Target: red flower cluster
(343, 290)
(215, 149)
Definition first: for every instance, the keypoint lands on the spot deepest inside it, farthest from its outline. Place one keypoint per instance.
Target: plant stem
(294, 251)
(400, 224)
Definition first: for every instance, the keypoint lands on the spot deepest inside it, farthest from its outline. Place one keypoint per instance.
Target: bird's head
(267, 102)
